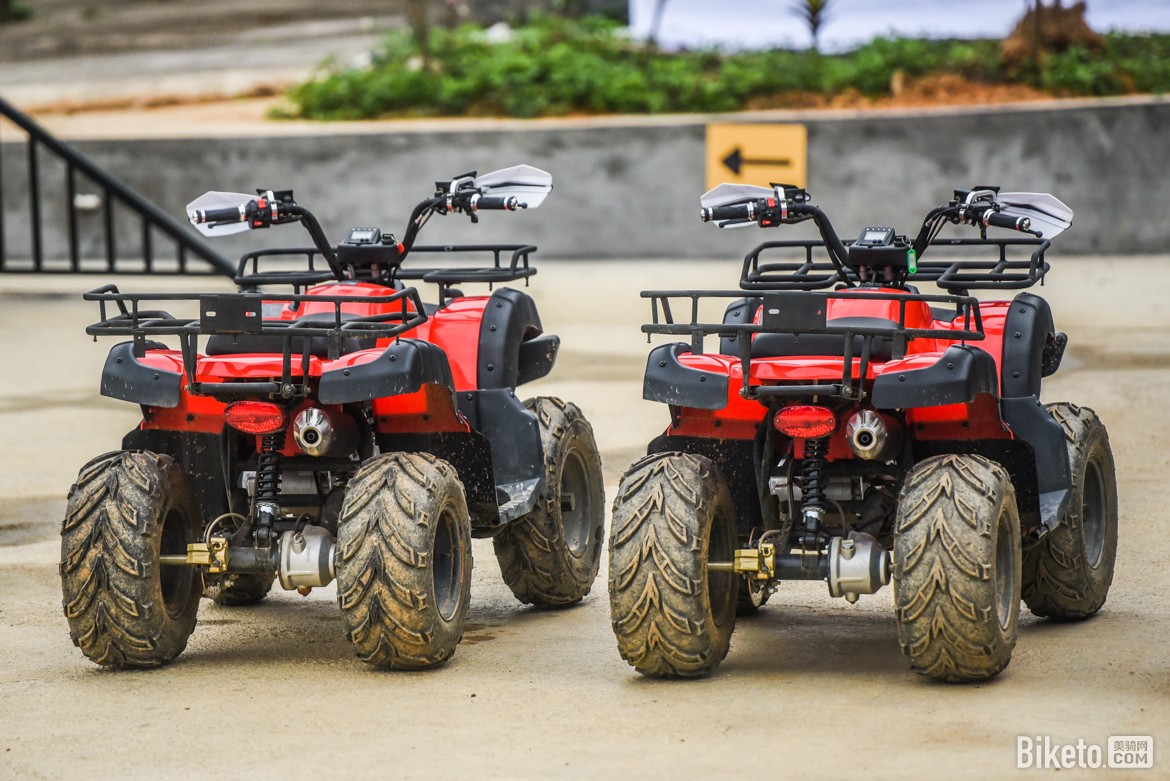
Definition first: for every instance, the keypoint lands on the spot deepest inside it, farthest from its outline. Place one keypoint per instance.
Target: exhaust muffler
(871, 437)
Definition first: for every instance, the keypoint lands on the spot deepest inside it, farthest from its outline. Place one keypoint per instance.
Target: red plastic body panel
(454, 328)
(741, 418)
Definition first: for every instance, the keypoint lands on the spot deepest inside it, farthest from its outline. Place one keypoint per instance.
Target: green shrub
(556, 66)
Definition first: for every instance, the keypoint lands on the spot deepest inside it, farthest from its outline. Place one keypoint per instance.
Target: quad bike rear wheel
(673, 617)
(124, 608)
(957, 568)
(1068, 574)
(403, 561)
(239, 590)
(550, 557)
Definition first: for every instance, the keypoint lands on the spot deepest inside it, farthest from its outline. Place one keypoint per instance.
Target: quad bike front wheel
(1068, 574)
(124, 608)
(672, 615)
(550, 557)
(403, 561)
(752, 595)
(957, 568)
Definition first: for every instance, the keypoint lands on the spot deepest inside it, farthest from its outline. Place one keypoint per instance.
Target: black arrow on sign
(736, 161)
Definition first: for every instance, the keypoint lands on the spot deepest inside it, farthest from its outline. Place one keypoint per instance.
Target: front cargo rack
(804, 268)
(517, 266)
(508, 263)
(243, 314)
(800, 313)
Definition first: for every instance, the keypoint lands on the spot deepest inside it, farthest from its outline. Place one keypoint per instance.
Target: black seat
(227, 344)
(790, 345)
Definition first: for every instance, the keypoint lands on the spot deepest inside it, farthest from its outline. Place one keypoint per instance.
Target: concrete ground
(812, 688)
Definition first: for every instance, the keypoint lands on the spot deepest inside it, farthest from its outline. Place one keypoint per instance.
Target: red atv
(345, 430)
(851, 428)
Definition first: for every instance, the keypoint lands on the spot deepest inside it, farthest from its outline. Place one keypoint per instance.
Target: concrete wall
(630, 188)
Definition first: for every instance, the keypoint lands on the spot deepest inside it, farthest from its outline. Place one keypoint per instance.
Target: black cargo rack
(249, 276)
(957, 276)
(800, 313)
(517, 266)
(237, 314)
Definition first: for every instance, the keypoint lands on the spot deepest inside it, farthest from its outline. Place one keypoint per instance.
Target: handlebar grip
(997, 220)
(738, 211)
(508, 203)
(231, 214)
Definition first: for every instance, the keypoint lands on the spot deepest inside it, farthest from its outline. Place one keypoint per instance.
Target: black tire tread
(109, 568)
(384, 571)
(945, 539)
(657, 570)
(534, 559)
(1058, 582)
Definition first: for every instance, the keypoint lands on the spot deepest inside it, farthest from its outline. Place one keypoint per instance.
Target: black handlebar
(738, 211)
(508, 203)
(229, 214)
(998, 220)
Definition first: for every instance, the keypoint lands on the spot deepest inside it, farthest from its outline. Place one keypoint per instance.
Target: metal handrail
(113, 191)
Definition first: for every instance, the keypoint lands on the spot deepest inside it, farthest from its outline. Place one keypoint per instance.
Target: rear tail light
(805, 421)
(255, 417)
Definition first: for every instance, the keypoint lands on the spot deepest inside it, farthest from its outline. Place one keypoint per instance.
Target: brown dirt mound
(944, 89)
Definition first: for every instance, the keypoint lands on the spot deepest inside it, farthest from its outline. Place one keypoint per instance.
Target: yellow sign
(760, 154)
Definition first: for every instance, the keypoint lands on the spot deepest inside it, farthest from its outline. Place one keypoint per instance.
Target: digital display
(363, 235)
(874, 235)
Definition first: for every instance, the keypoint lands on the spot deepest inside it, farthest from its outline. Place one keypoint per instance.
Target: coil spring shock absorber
(813, 488)
(267, 485)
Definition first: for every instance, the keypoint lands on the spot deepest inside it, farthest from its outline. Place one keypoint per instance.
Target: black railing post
(3, 256)
(71, 194)
(108, 224)
(147, 247)
(34, 206)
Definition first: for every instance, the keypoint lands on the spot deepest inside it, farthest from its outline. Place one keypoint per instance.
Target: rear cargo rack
(804, 268)
(799, 313)
(237, 314)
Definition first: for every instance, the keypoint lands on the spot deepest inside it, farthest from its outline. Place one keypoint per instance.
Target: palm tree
(813, 14)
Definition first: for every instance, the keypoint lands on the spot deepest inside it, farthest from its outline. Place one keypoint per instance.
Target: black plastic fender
(513, 435)
(537, 357)
(123, 377)
(509, 321)
(741, 311)
(669, 382)
(403, 367)
(1027, 331)
(1032, 424)
(957, 377)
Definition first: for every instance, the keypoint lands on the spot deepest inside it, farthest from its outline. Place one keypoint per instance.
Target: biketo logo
(1120, 751)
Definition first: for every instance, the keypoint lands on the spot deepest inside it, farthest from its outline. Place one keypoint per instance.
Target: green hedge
(556, 66)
